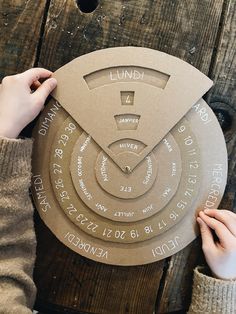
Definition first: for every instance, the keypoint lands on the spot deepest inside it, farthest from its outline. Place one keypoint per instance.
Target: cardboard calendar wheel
(125, 155)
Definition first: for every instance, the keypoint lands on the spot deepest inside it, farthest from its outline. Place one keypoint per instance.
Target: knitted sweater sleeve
(211, 295)
(17, 237)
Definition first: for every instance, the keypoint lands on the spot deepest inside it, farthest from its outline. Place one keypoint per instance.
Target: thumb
(207, 237)
(44, 90)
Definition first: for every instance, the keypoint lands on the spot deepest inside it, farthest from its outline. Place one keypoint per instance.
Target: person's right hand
(19, 105)
(220, 255)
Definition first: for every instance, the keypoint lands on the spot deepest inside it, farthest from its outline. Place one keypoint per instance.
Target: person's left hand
(220, 255)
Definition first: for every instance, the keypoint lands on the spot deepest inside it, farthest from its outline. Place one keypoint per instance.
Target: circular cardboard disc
(95, 192)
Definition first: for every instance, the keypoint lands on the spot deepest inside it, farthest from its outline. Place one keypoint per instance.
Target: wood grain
(221, 97)
(188, 30)
(20, 26)
(199, 32)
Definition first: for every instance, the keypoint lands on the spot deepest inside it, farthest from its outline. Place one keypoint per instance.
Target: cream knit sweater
(17, 243)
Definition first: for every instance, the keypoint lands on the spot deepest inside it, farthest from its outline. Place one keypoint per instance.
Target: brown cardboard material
(175, 91)
(120, 175)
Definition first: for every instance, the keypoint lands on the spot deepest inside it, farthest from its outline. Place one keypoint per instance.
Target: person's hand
(19, 105)
(220, 255)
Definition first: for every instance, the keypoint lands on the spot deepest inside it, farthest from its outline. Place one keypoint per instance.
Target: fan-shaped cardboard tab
(96, 88)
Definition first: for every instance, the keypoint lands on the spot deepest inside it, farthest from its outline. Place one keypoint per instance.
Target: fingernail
(201, 213)
(206, 210)
(199, 220)
(53, 81)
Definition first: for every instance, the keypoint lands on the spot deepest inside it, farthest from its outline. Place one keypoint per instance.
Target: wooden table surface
(50, 33)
